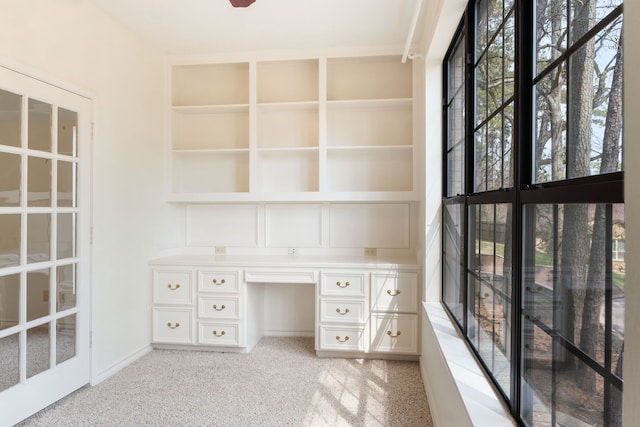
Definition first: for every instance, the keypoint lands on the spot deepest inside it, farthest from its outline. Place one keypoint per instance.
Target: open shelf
(288, 171)
(289, 125)
(287, 81)
(210, 84)
(363, 170)
(377, 77)
(204, 171)
(292, 130)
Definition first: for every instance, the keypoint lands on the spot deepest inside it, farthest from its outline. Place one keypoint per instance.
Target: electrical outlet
(293, 251)
(370, 252)
(221, 250)
(45, 296)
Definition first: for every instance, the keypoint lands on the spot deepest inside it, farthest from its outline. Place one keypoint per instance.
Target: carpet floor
(281, 382)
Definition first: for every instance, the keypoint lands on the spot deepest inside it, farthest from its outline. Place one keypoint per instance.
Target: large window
(533, 208)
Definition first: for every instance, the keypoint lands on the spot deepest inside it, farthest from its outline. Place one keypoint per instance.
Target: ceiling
(180, 27)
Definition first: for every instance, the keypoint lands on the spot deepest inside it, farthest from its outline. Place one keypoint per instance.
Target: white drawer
(394, 292)
(218, 281)
(394, 333)
(342, 338)
(172, 286)
(344, 311)
(222, 334)
(345, 284)
(219, 307)
(172, 325)
(280, 276)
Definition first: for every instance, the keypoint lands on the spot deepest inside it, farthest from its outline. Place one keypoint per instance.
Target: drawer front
(349, 284)
(172, 286)
(221, 334)
(344, 311)
(342, 338)
(172, 325)
(394, 333)
(394, 292)
(279, 276)
(218, 281)
(219, 307)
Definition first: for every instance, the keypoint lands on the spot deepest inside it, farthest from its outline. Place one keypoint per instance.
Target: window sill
(450, 366)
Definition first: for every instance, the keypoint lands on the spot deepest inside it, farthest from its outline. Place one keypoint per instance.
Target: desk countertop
(258, 261)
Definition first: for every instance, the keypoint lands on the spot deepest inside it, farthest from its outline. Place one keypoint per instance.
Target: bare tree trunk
(575, 239)
(594, 297)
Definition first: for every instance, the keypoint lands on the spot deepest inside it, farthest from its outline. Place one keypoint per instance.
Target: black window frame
(605, 188)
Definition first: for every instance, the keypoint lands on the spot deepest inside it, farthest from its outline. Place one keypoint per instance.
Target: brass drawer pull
(215, 282)
(346, 338)
(177, 325)
(340, 285)
(394, 294)
(393, 336)
(218, 334)
(173, 288)
(215, 307)
(346, 310)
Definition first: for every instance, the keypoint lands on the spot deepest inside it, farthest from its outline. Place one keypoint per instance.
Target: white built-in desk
(364, 306)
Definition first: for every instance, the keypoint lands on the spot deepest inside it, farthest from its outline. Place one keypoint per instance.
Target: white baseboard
(101, 376)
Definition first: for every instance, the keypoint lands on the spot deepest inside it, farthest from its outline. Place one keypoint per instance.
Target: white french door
(45, 159)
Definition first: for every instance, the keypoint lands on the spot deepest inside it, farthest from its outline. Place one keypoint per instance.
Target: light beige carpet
(280, 383)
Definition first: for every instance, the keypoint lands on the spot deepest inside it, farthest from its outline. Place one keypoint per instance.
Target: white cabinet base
(360, 309)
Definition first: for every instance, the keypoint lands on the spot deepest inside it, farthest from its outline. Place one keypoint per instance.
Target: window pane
(65, 287)
(482, 85)
(481, 28)
(67, 127)
(565, 289)
(10, 179)
(494, 74)
(595, 106)
(9, 240)
(509, 57)
(38, 238)
(508, 135)
(494, 153)
(552, 384)
(550, 140)
(9, 301)
(39, 182)
(38, 348)
(491, 273)
(455, 116)
(66, 184)
(11, 107)
(453, 292)
(40, 120)
(551, 32)
(586, 14)
(66, 338)
(10, 368)
(66, 241)
(37, 294)
(480, 168)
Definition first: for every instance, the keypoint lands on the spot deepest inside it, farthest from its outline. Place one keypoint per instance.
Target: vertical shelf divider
(322, 125)
(253, 128)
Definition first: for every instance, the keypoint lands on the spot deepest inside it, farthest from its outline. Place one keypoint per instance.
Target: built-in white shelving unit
(312, 129)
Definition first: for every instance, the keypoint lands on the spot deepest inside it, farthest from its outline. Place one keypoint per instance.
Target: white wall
(74, 42)
(631, 367)
(441, 20)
